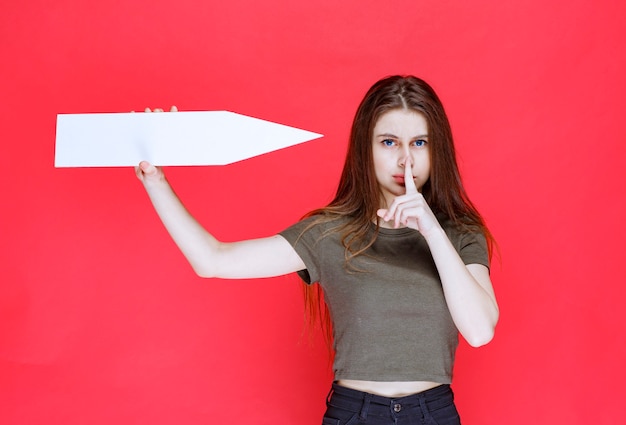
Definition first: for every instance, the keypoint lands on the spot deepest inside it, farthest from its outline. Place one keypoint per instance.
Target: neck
(386, 224)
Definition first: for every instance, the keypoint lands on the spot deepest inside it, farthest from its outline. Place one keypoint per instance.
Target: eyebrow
(393, 136)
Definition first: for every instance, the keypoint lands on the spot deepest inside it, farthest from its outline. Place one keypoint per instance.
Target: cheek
(424, 170)
(424, 161)
(379, 164)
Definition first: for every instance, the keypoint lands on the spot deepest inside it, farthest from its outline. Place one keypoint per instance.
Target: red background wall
(101, 319)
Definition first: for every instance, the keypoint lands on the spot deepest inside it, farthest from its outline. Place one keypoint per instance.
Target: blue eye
(419, 143)
(388, 142)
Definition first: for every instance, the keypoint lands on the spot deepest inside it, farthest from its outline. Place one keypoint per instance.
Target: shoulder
(459, 230)
(313, 227)
(315, 240)
(469, 241)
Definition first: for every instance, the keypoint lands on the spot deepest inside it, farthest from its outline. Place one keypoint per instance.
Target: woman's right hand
(146, 172)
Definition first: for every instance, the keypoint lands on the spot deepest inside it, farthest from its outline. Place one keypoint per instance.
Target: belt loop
(366, 405)
(425, 411)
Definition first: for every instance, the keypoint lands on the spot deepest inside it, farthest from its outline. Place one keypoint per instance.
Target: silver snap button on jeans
(397, 407)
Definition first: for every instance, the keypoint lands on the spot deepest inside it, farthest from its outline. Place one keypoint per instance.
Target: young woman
(401, 254)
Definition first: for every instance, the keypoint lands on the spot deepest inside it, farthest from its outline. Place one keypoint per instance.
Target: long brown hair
(358, 195)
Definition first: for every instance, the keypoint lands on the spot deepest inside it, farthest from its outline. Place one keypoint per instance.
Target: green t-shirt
(390, 318)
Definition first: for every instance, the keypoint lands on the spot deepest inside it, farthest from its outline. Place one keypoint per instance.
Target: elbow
(203, 264)
(480, 336)
(482, 332)
(203, 271)
(481, 339)
(205, 274)
(206, 262)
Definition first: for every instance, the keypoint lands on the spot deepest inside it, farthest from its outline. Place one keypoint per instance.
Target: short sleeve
(473, 249)
(305, 238)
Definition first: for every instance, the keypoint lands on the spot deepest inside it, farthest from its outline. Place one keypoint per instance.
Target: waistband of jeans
(430, 394)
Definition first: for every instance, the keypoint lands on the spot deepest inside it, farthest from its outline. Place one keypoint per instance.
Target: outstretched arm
(265, 257)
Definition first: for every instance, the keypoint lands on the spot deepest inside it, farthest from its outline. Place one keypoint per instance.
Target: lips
(399, 179)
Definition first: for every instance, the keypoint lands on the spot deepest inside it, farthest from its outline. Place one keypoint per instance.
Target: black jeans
(346, 406)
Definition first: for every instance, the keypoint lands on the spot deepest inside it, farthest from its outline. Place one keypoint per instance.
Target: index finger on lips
(409, 183)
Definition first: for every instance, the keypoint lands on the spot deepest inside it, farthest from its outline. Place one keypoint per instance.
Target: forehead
(401, 122)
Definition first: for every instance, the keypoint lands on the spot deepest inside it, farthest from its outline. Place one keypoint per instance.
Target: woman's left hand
(410, 209)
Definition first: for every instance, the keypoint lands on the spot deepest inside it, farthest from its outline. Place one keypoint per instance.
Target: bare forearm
(469, 296)
(196, 244)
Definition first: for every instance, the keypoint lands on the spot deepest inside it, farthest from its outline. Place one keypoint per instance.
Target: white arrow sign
(179, 138)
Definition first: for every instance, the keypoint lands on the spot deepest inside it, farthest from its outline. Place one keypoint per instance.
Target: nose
(406, 159)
